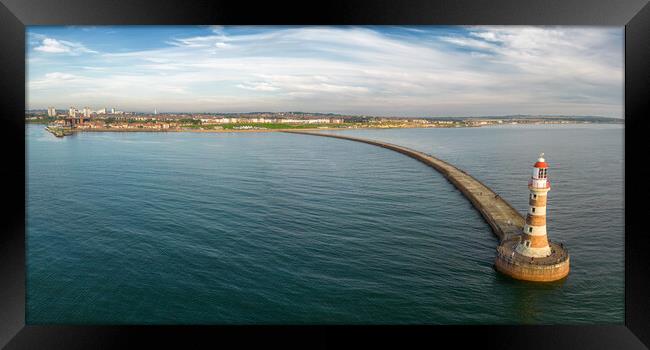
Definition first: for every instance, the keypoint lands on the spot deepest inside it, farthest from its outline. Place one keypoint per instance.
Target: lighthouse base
(547, 269)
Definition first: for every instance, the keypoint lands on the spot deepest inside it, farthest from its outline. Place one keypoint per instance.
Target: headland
(62, 124)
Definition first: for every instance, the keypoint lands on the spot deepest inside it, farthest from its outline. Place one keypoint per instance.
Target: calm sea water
(272, 228)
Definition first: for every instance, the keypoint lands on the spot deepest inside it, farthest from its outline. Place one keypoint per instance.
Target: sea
(277, 228)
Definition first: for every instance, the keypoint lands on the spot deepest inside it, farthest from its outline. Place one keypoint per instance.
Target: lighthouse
(534, 241)
(530, 256)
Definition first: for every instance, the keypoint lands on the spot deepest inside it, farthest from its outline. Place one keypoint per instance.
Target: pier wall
(546, 269)
(505, 221)
(535, 273)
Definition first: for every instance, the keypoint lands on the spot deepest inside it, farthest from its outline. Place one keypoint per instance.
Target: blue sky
(377, 70)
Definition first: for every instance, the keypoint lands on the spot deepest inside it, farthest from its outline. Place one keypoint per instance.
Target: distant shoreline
(316, 129)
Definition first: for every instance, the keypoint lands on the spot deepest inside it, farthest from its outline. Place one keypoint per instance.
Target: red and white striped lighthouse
(534, 242)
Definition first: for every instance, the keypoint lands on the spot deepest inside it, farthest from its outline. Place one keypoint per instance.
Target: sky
(404, 71)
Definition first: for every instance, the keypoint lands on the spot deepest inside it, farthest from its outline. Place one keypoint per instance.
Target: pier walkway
(506, 222)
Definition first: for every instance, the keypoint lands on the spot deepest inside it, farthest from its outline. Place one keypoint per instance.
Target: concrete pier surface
(506, 222)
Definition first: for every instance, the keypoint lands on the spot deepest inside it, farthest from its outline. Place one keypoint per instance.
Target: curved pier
(506, 222)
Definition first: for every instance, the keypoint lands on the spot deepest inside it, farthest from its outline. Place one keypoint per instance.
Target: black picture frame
(633, 14)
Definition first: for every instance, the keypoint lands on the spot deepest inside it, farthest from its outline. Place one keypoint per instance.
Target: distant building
(51, 112)
(87, 112)
(72, 112)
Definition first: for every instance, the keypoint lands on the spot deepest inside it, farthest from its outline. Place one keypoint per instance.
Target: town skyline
(54, 111)
(413, 71)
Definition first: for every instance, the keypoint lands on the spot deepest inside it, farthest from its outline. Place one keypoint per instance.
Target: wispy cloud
(258, 86)
(50, 45)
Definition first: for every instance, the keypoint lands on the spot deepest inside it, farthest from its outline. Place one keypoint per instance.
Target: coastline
(238, 130)
(75, 130)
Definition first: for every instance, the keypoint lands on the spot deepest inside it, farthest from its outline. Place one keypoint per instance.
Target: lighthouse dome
(541, 162)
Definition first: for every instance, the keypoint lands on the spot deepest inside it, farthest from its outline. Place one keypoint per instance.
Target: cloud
(91, 68)
(216, 29)
(59, 76)
(258, 86)
(361, 70)
(51, 45)
(468, 42)
(53, 80)
(488, 36)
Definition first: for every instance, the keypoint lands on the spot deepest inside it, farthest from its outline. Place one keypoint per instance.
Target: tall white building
(51, 112)
(72, 112)
(87, 112)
